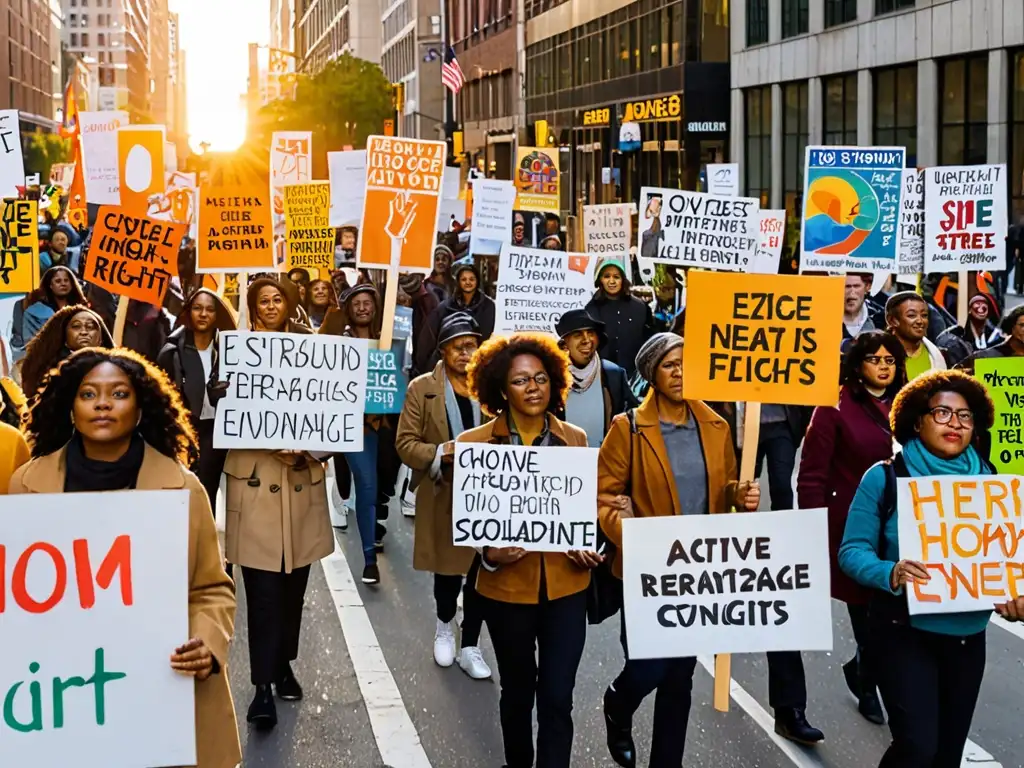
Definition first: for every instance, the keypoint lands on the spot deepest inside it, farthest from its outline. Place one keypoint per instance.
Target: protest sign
(492, 216)
(291, 162)
(536, 287)
(140, 166)
(744, 583)
(133, 256)
(451, 207)
(965, 218)
(763, 338)
(724, 179)
(403, 323)
(1004, 379)
(697, 229)
(403, 188)
(292, 392)
(95, 600)
(12, 165)
(178, 202)
(607, 229)
(308, 233)
(769, 249)
(347, 174)
(234, 230)
(910, 257)
(385, 382)
(967, 532)
(851, 209)
(99, 155)
(543, 499)
(61, 174)
(537, 179)
(19, 246)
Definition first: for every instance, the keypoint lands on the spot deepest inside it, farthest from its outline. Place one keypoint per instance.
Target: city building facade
(411, 55)
(325, 29)
(27, 70)
(177, 91)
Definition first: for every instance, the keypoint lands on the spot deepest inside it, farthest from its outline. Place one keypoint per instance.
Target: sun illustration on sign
(841, 211)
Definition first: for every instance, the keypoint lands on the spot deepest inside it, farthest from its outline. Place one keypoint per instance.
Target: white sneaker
(408, 508)
(444, 644)
(472, 662)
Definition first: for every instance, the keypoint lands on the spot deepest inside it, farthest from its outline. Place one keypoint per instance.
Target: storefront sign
(597, 117)
(665, 108)
(713, 126)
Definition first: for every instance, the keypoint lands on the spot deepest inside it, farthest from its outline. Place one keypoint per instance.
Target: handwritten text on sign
(769, 250)
(965, 217)
(292, 392)
(234, 230)
(19, 246)
(910, 256)
(543, 499)
(536, 287)
(695, 584)
(385, 383)
(308, 232)
(1004, 379)
(968, 532)
(607, 228)
(134, 256)
(94, 601)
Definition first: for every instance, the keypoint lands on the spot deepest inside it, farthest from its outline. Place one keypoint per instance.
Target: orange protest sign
(403, 191)
(235, 232)
(140, 165)
(133, 256)
(763, 338)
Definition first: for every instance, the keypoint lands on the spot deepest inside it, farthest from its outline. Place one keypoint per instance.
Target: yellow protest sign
(308, 231)
(19, 246)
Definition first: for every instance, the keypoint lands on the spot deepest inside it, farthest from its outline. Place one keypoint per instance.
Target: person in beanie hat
(629, 321)
(589, 407)
(467, 298)
(1012, 327)
(977, 333)
(673, 457)
(440, 280)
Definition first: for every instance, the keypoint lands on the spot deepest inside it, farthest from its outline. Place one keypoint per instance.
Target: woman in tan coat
(108, 420)
(277, 525)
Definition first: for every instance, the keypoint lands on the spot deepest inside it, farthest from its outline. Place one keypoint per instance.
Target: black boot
(851, 671)
(870, 707)
(288, 688)
(379, 532)
(620, 733)
(792, 724)
(262, 710)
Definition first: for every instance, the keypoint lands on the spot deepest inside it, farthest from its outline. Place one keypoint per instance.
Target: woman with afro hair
(108, 420)
(70, 329)
(536, 602)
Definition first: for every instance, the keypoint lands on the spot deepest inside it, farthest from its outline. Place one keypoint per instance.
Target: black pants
(210, 466)
(274, 603)
(446, 596)
(538, 648)
(862, 634)
(388, 466)
(930, 684)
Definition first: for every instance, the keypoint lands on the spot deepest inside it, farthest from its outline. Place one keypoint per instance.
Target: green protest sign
(1004, 379)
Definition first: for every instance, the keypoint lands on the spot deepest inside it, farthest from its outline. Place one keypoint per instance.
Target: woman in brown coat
(671, 456)
(537, 602)
(107, 420)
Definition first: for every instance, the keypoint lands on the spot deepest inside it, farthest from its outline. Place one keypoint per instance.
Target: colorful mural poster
(536, 179)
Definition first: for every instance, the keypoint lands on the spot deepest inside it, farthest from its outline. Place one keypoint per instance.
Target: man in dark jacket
(628, 320)
(1012, 326)
(467, 298)
(146, 329)
(424, 301)
(976, 334)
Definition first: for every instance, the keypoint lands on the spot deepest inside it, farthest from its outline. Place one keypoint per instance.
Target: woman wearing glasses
(841, 445)
(929, 667)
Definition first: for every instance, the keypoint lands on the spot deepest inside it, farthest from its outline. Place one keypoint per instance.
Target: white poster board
(116, 630)
(737, 583)
(492, 215)
(965, 218)
(724, 179)
(608, 229)
(347, 173)
(99, 155)
(542, 499)
(697, 229)
(910, 253)
(769, 249)
(292, 392)
(12, 164)
(536, 287)
(966, 530)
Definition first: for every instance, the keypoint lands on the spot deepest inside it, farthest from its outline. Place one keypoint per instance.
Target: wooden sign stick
(243, 304)
(748, 464)
(120, 319)
(387, 321)
(962, 305)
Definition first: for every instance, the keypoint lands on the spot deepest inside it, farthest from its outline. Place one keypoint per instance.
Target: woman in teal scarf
(929, 667)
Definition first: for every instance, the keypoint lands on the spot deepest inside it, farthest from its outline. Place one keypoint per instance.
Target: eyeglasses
(539, 379)
(943, 415)
(876, 359)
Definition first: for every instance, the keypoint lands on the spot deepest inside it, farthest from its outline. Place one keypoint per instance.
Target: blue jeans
(363, 466)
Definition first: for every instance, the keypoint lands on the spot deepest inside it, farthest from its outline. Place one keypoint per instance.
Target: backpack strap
(894, 468)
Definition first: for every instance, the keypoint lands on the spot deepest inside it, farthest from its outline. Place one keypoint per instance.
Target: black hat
(456, 325)
(580, 320)
(463, 264)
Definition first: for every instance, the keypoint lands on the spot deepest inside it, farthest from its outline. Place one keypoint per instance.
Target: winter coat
(618, 397)
(1003, 349)
(628, 323)
(958, 343)
(146, 330)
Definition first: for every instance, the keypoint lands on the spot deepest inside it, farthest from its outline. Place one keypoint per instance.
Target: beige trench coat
(422, 426)
(277, 516)
(211, 594)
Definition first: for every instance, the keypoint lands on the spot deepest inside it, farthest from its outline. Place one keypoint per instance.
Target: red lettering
(19, 589)
(117, 559)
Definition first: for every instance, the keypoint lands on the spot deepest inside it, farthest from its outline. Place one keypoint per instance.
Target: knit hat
(463, 264)
(410, 282)
(993, 308)
(609, 263)
(357, 289)
(653, 352)
(456, 325)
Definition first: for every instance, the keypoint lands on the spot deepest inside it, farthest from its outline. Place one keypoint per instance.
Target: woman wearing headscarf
(671, 456)
(628, 320)
(108, 420)
(467, 298)
(70, 329)
(57, 289)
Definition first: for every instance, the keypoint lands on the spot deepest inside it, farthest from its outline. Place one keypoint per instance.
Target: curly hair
(165, 423)
(871, 343)
(47, 348)
(911, 404)
(490, 364)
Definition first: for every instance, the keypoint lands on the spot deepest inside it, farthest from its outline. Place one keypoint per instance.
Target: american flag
(451, 73)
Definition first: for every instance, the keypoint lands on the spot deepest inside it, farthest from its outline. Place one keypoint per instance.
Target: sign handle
(387, 321)
(222, 280)
(243, 304)
(748, 463)
(120, 319)
(962, 279)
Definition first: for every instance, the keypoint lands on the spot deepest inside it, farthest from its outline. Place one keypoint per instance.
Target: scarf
(85, 474)
(582, 378)
(451, 405)
(922, 462)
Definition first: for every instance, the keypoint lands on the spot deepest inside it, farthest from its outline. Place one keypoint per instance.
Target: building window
(794, 18)
(888, 6)
(840, 94)
(1017, 137)
(895, 110)
(758, 143)
(840, 12)
(963, 111)
(74, 39)
(757, 22)
(794, 142)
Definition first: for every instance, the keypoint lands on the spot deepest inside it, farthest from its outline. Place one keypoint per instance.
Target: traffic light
(398, 96)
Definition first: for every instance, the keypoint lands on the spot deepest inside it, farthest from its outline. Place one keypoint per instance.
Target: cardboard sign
(19, 246)
(234, 230)
(347, 172)
(965, 218)
(308, 231)
(740, 583)
(292, 392)
(697, 229)
(537, 179)
(1004, 379)
(140, 166)
(385, 382)
(769, 249)
(910, 257)
(99, 155)
(608, 229)
(179, 202)
(763, 338)
(543, 499)
(536, 287)
(967, 532)
(62, 174)
(12, 165)
(403, 188)
(133, 256)
(291, 162)
(95, 602)
(451, 208)
(492, 216)
(403, 323)
(851, 209)
(724, 179)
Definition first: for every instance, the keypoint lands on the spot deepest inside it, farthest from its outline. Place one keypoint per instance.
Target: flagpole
(449, 97)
